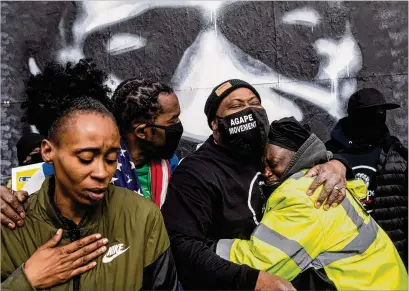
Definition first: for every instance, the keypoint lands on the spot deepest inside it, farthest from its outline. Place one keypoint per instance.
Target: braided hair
(137, 100)
(57, 93)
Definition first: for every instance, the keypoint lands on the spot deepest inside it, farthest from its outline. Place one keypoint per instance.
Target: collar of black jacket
(228, 156)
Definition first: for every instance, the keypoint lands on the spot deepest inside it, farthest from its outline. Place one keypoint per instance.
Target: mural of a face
(284, 49)
(305, 58)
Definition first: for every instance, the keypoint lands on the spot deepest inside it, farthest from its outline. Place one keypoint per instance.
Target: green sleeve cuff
(17, 281)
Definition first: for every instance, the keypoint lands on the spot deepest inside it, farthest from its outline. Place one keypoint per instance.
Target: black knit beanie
(220, 92)
(288, 133)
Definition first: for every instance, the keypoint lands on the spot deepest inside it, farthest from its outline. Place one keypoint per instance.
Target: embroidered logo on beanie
(222, 88)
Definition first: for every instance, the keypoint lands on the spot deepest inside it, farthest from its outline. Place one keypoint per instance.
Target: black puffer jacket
(391, 194)
(391, 190)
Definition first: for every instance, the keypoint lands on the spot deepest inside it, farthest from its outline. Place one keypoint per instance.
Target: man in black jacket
(379, 159)
(215, 193)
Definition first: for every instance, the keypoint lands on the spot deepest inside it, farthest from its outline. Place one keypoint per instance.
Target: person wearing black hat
(28, 149)
(379, 159)
(28, 152)
(286, 136)
(215, 193)
(340, 249)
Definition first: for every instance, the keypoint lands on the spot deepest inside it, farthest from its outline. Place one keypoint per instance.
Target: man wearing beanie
(377, 158)
(342, 249)
(215, 193)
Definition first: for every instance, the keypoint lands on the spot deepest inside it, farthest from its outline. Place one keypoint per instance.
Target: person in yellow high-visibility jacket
(344, 247)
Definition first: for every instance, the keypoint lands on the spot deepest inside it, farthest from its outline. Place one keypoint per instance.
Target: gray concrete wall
(305, 58)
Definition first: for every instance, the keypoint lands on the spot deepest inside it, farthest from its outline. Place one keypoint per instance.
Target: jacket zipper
(75, 235)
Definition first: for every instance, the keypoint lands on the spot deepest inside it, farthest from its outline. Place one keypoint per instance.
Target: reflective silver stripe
(297, 175)
(366, 236)
(223, 248)
(291, 247)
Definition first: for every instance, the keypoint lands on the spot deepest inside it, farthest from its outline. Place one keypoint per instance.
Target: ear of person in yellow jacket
(344, 248)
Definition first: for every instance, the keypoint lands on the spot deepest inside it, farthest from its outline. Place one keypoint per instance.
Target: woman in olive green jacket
(78, 201)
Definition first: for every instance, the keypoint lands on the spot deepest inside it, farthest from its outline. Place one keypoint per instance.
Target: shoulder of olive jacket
(138, 254)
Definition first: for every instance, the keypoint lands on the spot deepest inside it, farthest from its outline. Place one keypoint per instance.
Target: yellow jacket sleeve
(289, 236)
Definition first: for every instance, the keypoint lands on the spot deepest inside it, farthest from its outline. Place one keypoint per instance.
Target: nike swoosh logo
(106, 259)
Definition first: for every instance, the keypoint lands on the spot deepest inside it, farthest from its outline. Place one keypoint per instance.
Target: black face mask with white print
(244, 132)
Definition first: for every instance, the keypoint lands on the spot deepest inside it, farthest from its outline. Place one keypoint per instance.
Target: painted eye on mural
(303, 16)
(124, 42)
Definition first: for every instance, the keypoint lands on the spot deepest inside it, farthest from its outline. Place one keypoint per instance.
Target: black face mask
(367, 119)
(244, 132)
(173, 134)
(367, 125)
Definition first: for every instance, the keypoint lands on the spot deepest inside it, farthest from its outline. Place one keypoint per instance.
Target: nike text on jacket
(138, 254)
